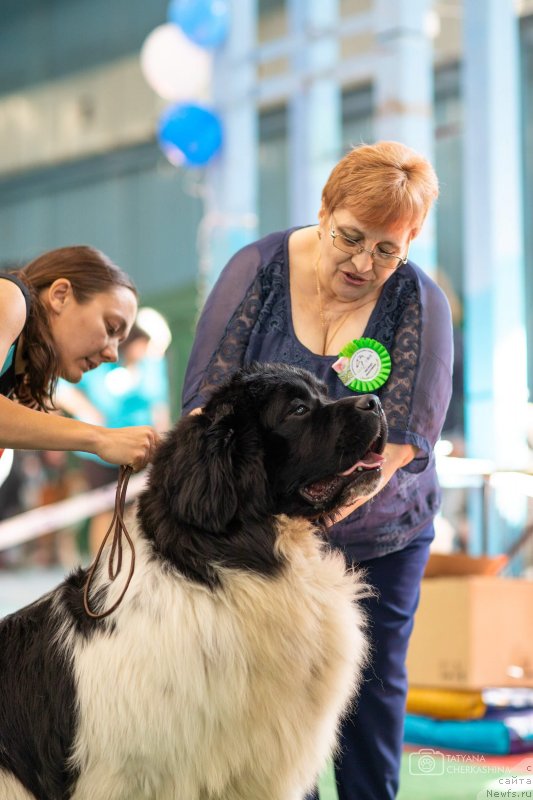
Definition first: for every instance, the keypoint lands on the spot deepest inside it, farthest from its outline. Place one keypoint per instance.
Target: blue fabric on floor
(511, 733)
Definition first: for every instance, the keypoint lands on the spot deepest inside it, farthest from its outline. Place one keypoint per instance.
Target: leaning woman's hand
(135, 446)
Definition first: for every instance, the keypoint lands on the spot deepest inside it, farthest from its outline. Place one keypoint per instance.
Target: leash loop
(114, 564)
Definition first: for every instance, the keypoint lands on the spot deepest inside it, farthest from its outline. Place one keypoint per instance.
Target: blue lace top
(247, 317)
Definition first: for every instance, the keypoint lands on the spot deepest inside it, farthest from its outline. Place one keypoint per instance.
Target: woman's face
(356, 275)
(86, 334)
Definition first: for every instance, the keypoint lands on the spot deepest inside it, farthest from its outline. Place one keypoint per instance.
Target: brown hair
(90, 272)
(382, 184)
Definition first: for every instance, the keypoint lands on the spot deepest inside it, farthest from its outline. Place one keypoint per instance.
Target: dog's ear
(221, 431)
(208, 471)
(200, 485)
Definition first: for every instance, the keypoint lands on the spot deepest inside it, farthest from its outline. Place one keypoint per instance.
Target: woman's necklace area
(328, 334)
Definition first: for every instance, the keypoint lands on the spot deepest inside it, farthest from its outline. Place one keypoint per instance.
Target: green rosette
(363, 365)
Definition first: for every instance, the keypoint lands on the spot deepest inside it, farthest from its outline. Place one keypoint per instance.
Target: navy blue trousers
(371, 738)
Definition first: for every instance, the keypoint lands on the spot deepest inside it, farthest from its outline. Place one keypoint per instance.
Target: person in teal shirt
(132, 391)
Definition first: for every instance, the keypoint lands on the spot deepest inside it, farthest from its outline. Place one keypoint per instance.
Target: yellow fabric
(445, 704)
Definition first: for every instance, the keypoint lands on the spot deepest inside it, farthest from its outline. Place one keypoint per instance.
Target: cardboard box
(472, 631)
(441, 564)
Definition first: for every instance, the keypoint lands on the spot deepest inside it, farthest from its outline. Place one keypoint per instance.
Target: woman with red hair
(342, 299)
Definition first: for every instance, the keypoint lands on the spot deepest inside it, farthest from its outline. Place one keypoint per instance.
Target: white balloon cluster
(174, 66)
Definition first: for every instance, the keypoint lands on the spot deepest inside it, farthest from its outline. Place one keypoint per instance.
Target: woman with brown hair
(343, 300)
(63, 314)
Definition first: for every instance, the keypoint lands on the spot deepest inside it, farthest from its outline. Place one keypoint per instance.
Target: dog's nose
(368, 402)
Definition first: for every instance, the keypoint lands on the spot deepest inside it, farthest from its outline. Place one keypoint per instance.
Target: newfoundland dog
(239, 642)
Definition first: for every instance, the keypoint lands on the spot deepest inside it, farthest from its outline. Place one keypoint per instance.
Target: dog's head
(269, 441)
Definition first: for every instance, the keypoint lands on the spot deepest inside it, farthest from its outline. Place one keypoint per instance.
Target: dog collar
(363, 365)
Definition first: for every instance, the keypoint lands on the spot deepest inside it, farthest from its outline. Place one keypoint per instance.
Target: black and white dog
(239, 643)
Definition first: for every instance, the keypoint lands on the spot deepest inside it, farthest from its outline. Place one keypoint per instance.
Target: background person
(299, 297)
(62, 315)
(132, 391)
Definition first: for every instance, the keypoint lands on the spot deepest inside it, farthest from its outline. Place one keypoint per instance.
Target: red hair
(382, 184)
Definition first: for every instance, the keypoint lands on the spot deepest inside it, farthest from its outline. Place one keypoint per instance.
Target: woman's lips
(354, 280)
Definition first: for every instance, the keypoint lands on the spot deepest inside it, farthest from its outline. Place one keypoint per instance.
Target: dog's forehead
(259, 386)
(303, 389)
(288, 388)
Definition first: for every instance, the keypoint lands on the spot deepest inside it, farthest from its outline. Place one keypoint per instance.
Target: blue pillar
(230, 219)
(403, 92)
(315, 134)
(495, 337)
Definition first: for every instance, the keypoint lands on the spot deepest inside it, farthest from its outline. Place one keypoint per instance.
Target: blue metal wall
(45, 39)
(130, 204)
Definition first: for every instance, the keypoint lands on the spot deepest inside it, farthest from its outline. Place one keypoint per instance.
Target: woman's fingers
(135, 446)
(149, 451)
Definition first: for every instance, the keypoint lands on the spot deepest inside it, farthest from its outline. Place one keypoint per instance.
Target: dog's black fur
(268, 442)
(258, 442)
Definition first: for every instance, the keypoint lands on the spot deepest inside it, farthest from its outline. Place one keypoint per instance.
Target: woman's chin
(73, 373)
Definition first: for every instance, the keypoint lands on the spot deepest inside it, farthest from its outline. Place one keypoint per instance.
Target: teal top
(9, 360)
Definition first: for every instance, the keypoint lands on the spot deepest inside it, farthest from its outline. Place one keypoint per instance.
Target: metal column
(230, 219)
(403, 91)
(315, 107)
(495, 337)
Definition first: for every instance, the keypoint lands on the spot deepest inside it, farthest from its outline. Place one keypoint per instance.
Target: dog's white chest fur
(231, 694)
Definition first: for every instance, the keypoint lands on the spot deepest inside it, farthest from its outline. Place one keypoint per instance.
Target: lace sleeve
(417, 394)
(229, 354)
(229, 315)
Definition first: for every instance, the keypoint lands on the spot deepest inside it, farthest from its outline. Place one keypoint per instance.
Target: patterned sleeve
(417, 394)
(224, 327)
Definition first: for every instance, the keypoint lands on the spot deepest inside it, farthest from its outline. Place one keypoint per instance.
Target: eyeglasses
(353, 248)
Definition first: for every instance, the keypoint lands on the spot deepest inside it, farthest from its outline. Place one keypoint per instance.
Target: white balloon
(175, 67)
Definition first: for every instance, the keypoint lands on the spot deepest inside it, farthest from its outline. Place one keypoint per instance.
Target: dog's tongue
(370, 461)
(320, 491)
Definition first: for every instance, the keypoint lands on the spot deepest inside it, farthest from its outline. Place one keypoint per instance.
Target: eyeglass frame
(359, 249)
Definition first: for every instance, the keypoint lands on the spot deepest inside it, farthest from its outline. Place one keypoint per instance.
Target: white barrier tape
(6, 462)
(54, 517)
(515, 482)
(453, 472)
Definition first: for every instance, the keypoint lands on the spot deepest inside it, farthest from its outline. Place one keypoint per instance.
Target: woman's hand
(396, 457)
(134, 446)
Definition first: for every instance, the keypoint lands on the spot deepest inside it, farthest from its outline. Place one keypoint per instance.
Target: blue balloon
(206, 22)
(189, 134)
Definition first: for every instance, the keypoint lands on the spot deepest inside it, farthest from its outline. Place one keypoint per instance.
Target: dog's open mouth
(323, 490)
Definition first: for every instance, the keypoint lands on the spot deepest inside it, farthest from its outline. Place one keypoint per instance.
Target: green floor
(449, 782)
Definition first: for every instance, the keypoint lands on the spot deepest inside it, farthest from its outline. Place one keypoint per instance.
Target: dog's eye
(299, 410)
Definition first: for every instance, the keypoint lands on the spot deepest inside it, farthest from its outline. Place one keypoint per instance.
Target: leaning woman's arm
(415, 398)
(23, 428)
(223, 330)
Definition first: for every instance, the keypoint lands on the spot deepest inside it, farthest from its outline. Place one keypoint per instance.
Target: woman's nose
(110, 352)
(363, 262)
